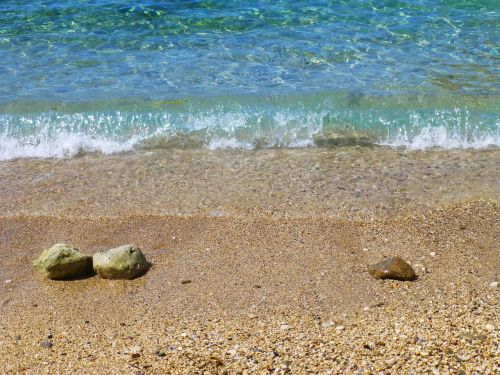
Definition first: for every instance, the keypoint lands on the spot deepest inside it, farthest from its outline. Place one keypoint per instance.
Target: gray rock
(393, 268)
(124, 262)
(63, 261)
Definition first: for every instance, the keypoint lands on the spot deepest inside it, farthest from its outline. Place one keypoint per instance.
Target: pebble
(327, 324)
(392, 268)
(494, 284)
(285, 326)
(8, 281)
(489, 327)
(340, 328)
(46, 344)
(433, 254)
(135, 350)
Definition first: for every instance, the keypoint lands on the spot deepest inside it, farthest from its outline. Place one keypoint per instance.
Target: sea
(110, 76)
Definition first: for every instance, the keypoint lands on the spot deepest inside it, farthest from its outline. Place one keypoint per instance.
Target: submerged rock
(124, 262)
(393, 268)
(63, 261)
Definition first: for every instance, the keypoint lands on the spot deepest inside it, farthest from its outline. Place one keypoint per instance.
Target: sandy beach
(225, 184)
(254, 272)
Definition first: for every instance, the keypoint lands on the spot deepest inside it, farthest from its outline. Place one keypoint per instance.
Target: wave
(442, 137)
(306, 121)
(70, 145)
(62, 146)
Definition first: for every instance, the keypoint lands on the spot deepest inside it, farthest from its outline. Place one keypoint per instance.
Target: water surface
(115, 75)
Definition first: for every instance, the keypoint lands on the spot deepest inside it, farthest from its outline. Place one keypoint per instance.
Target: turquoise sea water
(111, 75)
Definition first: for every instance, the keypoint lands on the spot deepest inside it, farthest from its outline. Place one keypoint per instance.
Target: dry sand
(254, 287)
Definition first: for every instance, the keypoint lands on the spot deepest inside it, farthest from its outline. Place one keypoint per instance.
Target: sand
(242, 285)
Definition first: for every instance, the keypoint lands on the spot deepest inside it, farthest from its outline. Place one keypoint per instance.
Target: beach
(262, 274)
(269, 161)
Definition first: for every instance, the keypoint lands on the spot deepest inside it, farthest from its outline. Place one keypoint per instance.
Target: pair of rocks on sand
(63, 261)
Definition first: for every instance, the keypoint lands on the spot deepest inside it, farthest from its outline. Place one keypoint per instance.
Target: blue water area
(111, 75)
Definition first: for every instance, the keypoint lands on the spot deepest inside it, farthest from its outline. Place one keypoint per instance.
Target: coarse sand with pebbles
(261, 290)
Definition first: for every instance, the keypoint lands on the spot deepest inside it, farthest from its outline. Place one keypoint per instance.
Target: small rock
(135, 351)
(124, 262)
(327, 324)
(186, 282)
(489, 327)
(46, 344)
(285, 327)
(393, 268)
(470, 337)
(8, 281)
(63, 261)
(160, 354)
(432, 254)
(494, 284)
(340, 328)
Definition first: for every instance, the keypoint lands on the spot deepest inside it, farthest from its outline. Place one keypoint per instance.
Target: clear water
(113, 75)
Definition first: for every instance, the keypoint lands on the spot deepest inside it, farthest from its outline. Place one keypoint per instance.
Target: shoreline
(344, 183)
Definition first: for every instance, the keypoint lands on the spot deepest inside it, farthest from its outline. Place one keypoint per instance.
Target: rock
(124, 262)
(327, 324)
(46, 344)
(393, 268)
(494, 284)
(8, 281)
(135, 349)
(63, 261)
(489, 327)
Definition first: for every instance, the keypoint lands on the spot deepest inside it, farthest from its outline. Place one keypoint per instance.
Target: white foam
(64, 145)
(228, 143)
(440, 136)
(58, 136)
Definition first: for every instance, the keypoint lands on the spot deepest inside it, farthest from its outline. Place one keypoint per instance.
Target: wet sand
(259, 262)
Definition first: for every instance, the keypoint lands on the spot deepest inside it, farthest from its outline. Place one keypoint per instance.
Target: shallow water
(348, 183)
(112, 76)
